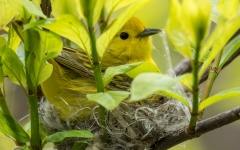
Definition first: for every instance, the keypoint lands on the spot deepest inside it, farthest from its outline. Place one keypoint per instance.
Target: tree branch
(202, 127)
(46, 7)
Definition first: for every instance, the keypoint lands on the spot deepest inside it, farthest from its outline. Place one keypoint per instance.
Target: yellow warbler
(72, 77)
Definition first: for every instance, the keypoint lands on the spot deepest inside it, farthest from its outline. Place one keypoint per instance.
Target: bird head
(131, 44)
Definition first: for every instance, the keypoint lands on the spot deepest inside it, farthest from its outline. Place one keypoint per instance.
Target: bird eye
(124, 35)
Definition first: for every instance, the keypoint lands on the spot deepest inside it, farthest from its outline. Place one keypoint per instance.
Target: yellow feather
(72, 77)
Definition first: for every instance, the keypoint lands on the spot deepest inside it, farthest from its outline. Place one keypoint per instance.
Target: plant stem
(35, 137)
(98, 79)
(213, 73)
(194, 113)
(33, 106)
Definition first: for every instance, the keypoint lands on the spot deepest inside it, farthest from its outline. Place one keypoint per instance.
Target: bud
(196, 14)
(188, 24)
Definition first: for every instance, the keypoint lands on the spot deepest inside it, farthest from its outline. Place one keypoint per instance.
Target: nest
(130, 126)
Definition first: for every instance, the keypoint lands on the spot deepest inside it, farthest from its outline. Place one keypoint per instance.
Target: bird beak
(148, 32)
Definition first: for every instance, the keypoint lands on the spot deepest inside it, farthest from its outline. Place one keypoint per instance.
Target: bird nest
(130, 126)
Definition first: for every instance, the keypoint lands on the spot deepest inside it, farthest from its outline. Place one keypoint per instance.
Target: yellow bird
(72, 77)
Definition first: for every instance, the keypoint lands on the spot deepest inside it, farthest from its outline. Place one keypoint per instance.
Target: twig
(46, 7)
(202, 127)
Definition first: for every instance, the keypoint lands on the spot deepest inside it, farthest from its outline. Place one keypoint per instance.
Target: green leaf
(18, 29)
(12, 129)
(143, 68)
(60, 136)
(41, 46)
(230, 93)
(38, 23)
(42, 129)
(147, 83)
(229, 50)
(219, 38)
(12, 66)
(104, 40)
(187, 81)
(32, 9)
(80, 145)
(45, 73)
(60, 7)
(215, 13)
(70, 27)
(112, 71)
(7, 13)
(110, 100)
(90, 10)
(176, 31)
(197, 20)
(1, 76)
(176, 95)
(18, 7)
(114, 5)
(228, 9)
(191, 30)
(13, 39)
(25, 8)
(2, 41)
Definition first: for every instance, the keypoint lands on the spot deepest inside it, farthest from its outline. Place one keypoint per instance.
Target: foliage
(77, 22)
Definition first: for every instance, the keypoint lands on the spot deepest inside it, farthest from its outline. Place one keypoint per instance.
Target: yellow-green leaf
(230, 93)
(228, 8)
(60, 136)
(148, 83)
(176, 95)
(229, 50)
(196, 19)
(13, 39)
(2, 41)
(12, 66)
(143, 68)
(114, 5)
(91, 10)
(187, 81)
(32, 9)
(61, 7)
(110, 100)
(7, 13)
(112, 71)
(12, 129)
(70, 27)
(176, 31)
(41, 45)
(224, 32)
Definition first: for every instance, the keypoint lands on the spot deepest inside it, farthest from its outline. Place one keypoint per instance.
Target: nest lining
(130, 127)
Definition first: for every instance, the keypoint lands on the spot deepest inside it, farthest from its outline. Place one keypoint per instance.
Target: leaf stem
(33, 106)
(213, 73)
(98, 79)
(194, 113)
(35, 137)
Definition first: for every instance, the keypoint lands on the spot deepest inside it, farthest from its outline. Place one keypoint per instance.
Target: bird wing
(78, 61)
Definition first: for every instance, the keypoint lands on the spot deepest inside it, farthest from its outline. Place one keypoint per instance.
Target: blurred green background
(155, 15)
